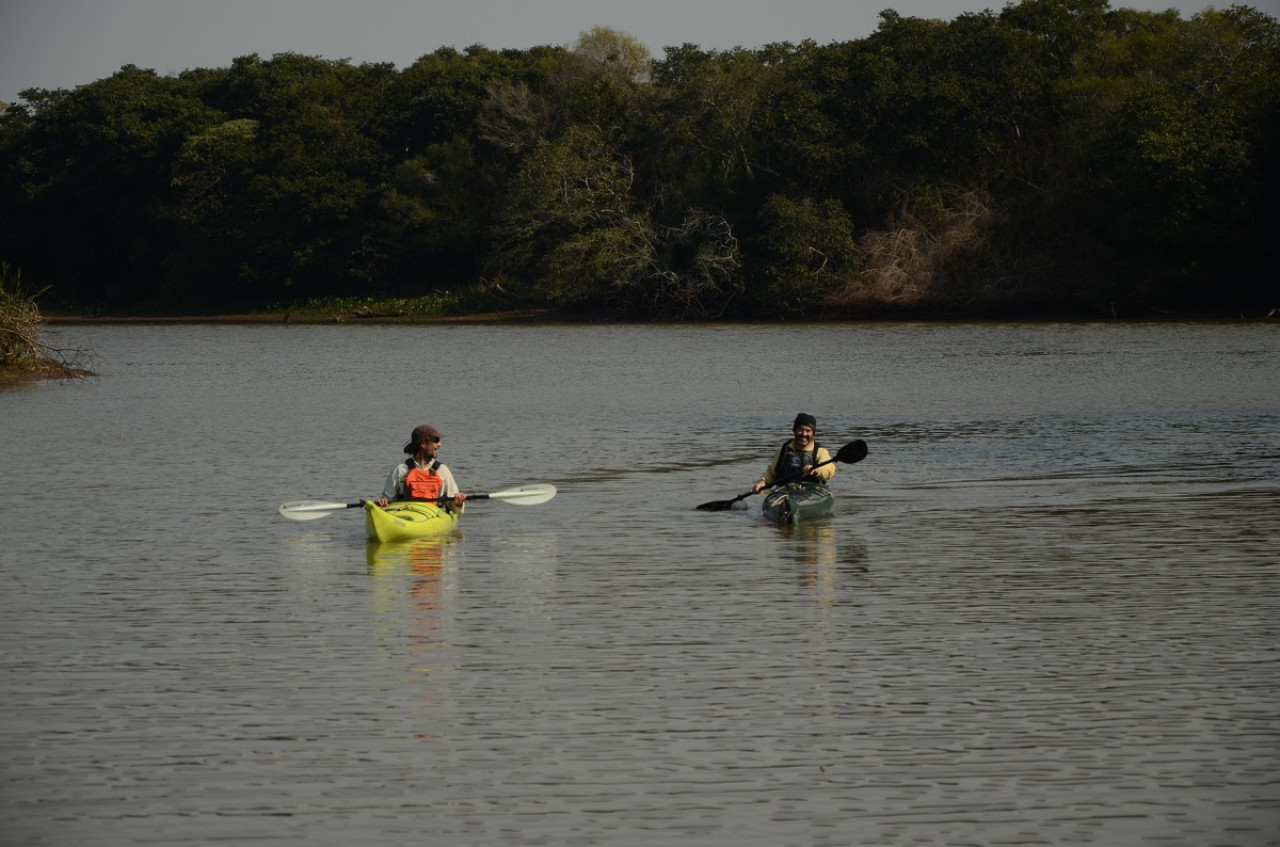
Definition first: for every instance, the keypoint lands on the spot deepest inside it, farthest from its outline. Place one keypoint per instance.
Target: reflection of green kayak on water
(797, 502)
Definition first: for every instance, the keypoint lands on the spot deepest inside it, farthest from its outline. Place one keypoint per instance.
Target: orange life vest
(422, 483)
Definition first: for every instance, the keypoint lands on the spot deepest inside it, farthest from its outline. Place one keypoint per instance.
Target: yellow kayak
(404, 520)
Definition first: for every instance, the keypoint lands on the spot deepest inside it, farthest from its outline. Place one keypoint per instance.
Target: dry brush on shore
(23, 356)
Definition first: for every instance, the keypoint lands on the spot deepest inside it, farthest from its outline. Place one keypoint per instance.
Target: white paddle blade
(309, 510)
(526, 495)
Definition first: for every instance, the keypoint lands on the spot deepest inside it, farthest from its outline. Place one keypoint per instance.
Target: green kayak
(797, 502)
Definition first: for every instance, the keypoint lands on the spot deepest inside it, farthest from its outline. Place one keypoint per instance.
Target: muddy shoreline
(521, 316)
(552, 316)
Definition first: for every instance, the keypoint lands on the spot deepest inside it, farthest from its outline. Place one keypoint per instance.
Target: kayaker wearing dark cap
(799, 455)
(421, 476)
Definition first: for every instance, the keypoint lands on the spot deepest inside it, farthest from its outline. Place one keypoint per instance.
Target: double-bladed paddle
(524, 495)
(854, 451)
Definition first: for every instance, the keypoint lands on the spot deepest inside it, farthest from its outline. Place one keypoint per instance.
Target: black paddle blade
(718, 505)
(854, 451)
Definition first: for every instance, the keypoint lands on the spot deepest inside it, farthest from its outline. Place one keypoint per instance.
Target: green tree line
(1055, 156)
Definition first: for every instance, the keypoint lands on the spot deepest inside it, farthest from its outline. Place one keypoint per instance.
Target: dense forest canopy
(1057, 155)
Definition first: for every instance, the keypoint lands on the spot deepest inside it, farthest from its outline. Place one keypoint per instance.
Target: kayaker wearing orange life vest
(421, 476)
(799, 455)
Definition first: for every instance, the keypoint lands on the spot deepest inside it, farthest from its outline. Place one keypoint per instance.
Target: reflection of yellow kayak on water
(409, 587)
(422, 557)
(407, 520)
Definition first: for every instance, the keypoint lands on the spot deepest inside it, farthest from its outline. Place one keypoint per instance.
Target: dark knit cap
(805, 420)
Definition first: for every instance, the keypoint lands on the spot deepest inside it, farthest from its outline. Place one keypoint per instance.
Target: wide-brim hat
(420, 434)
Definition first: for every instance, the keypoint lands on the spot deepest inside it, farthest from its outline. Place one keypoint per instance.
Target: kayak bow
(405, 520)
(797, 502)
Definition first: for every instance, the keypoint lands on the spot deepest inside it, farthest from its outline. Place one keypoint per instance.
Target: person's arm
(389, 488)
(825, 472)
(449, 486)
(766, 478)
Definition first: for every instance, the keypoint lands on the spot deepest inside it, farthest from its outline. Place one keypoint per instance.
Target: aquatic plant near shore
(22, 353)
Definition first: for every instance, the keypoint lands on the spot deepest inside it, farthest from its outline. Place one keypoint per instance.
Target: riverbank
(557, 316)
(514, 316)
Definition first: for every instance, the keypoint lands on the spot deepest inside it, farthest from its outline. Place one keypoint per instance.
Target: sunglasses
(434, 439)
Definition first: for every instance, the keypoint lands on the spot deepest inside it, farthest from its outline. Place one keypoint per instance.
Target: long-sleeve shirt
(822, 474)
(394, 487)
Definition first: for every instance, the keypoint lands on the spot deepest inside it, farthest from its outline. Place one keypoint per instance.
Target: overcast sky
(65, 43)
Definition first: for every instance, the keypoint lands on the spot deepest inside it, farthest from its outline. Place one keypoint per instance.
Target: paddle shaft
(854, 451)
(527, 495)
(791, 477)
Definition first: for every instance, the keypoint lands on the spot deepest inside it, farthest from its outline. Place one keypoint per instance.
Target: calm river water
(1045, 611)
